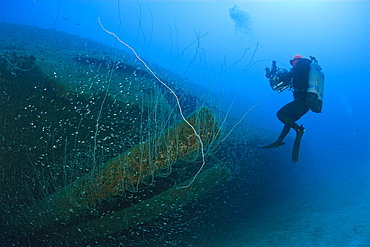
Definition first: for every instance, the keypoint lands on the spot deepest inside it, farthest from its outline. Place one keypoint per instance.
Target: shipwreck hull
(91, 144)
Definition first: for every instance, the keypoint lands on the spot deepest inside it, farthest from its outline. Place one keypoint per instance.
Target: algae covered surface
(87, 131)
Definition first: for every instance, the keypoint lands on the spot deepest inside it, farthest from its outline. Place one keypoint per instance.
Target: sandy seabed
(337, 214)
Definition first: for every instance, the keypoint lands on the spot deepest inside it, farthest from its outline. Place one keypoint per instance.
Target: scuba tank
(315, 91)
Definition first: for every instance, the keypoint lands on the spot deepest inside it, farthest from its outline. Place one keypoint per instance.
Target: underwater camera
(274, 75)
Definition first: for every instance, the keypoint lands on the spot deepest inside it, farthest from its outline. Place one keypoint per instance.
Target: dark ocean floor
(333, 212)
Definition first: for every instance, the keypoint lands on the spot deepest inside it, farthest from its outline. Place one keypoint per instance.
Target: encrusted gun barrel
(126, 170)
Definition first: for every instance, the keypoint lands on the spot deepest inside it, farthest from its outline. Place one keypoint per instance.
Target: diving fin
(297, 144)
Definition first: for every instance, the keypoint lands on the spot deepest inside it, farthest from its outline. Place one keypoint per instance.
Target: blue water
(224, 46)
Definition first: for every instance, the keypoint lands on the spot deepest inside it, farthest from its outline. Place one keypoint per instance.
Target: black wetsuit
(294, 110)
(297, 77)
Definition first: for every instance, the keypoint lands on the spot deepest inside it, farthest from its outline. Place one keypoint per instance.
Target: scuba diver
(307, 81)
